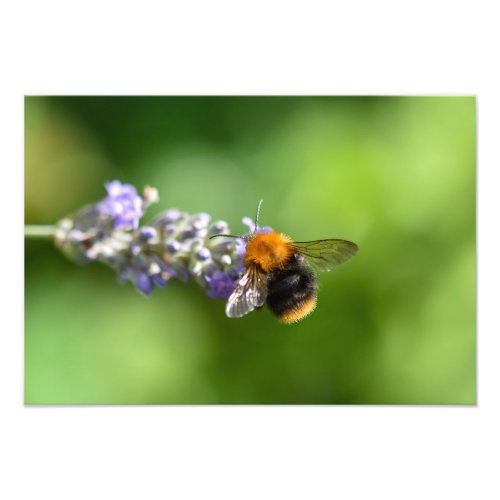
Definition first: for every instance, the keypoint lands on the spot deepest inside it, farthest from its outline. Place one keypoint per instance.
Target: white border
(249, 48)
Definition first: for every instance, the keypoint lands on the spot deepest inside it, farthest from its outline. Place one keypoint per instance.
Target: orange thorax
(269, 250)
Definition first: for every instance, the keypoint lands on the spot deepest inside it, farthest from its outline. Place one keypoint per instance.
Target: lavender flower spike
(174, 245)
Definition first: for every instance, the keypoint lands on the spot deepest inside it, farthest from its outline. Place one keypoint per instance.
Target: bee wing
(250, 292)
(323, 255)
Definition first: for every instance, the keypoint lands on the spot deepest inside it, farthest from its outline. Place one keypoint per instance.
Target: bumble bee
(281, 273)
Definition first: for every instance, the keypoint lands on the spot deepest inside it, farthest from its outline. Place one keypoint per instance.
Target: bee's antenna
(257, 216)
(225, 236)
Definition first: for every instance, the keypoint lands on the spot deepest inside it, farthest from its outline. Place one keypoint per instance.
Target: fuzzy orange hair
(269, 250)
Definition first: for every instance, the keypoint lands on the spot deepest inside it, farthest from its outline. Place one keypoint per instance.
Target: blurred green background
(396, 324)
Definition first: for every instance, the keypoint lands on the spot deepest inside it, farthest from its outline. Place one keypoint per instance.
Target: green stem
(42, 232)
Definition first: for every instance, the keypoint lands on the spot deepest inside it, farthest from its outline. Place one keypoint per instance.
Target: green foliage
(396, 324)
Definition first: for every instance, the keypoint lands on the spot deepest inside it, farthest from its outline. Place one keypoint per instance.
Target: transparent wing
(250, 292)
(323, 255)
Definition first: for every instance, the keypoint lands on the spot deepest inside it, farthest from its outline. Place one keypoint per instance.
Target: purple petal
(143, 283)
(113, 188)
(159, 281)
(251, 226)
(123, 204)
(220, 286)
(249, 222)
(147, 233)
(203, 254)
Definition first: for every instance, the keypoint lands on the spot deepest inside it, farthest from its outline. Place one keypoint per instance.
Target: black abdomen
(291, 291)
